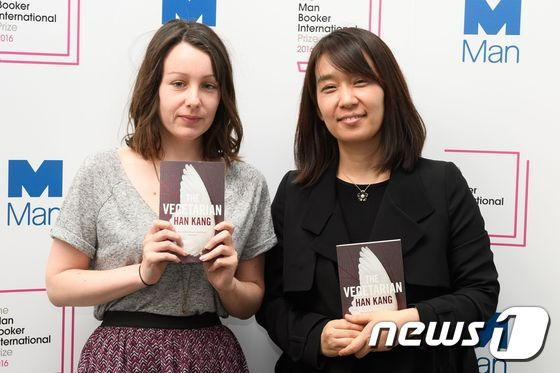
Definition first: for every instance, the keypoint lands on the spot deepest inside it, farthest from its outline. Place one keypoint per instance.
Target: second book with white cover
(371, 276)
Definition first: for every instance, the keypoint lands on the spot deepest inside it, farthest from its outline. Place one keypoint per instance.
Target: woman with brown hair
(109, 250)
(360, 177)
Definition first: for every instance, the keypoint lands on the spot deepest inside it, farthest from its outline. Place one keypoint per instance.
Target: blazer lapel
(323, 217)
(404, 204)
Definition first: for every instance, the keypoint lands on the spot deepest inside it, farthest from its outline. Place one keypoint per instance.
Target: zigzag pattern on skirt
(144, 350)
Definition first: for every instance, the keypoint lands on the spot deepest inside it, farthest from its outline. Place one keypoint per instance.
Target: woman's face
(189, 95)
(350, 105)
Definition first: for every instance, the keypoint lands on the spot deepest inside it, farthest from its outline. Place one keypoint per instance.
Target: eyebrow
(324, 77)
(180, 73)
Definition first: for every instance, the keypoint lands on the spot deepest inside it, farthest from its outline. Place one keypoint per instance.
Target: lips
(189, 119)
(351, 118)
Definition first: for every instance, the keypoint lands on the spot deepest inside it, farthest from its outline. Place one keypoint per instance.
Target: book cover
(192, 199)
(371, 276)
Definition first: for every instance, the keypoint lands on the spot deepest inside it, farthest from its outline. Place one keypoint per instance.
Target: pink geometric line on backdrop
(40, 62)
(63, 335)
(517, 154)
(75, 63)
(68, 30)
(302, 65)
(7, 291)
(516, 203)
(21, 290)
(524, 243)
(78, 35)
(514, 235)
(72, 340)
(379, 19)
(379, 16)
(50, 54)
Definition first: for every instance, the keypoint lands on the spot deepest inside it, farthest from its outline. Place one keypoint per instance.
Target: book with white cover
(192, 199)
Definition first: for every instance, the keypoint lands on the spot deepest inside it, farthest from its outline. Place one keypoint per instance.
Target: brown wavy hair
(223, 138)
(402, 131)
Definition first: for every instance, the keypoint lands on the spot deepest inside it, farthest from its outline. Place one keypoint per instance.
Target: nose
(347, 96)
(192, 97)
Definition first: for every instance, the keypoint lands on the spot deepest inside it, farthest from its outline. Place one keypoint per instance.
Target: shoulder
(290, 191)
(287, 185)
(243, 172)
(241, 177)
(288, 180)
(92, 183)
(101, 161)
(430, 165)
(437, 170)
(441, 178)
(99, 168)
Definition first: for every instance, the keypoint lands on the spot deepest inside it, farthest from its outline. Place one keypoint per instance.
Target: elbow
(493, 292)
(240, 314)
(54, 294)
(489, 303)
(248, 313)
(495, 296)
(54, 299)
(255, 303)
(245, 316)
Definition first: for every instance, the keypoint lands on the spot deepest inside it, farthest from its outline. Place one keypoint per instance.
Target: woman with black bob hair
(360, 177)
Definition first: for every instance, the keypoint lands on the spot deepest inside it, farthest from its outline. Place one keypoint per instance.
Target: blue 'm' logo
(21, 175)
(485, 334)
(478, 12)
(191, 10)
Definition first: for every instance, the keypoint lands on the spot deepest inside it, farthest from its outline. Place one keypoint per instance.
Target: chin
(188, 132)
(355, 138)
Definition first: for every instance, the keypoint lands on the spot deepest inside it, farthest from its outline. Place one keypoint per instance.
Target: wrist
(228, 289)
(146, 284)
(408, 315)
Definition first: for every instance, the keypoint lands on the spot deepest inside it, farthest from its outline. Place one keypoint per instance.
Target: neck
(174, 150)
(359, 163)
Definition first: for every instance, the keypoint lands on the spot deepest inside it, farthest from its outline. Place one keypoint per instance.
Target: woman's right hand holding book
(161, 245)
(337, 334)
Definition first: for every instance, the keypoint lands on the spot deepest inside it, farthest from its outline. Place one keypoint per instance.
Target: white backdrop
(66, 72)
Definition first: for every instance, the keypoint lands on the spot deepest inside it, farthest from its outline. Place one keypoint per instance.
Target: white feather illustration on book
(370, 265)
(193, 191)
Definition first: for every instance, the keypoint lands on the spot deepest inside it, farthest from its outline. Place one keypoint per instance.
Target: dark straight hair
(223, 138)
(402, 131)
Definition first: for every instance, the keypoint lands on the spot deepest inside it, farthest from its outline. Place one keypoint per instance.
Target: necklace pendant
(362, 196)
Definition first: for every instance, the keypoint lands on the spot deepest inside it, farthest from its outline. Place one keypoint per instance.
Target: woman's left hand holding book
(220, 258)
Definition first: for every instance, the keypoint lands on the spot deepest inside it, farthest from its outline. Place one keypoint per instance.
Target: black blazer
(448, 265)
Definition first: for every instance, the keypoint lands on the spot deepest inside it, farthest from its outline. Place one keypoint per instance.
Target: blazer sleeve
(296, 331)
(473, 275)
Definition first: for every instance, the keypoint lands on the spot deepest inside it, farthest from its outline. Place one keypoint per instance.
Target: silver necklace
(362, 195)
(157, 174)
(155, 170)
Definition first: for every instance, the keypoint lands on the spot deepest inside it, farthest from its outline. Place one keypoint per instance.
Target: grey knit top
(105, 217)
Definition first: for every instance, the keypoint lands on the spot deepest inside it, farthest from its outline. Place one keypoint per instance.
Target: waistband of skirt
(152, 320)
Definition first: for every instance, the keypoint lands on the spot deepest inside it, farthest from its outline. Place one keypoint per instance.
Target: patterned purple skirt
(146, 350)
